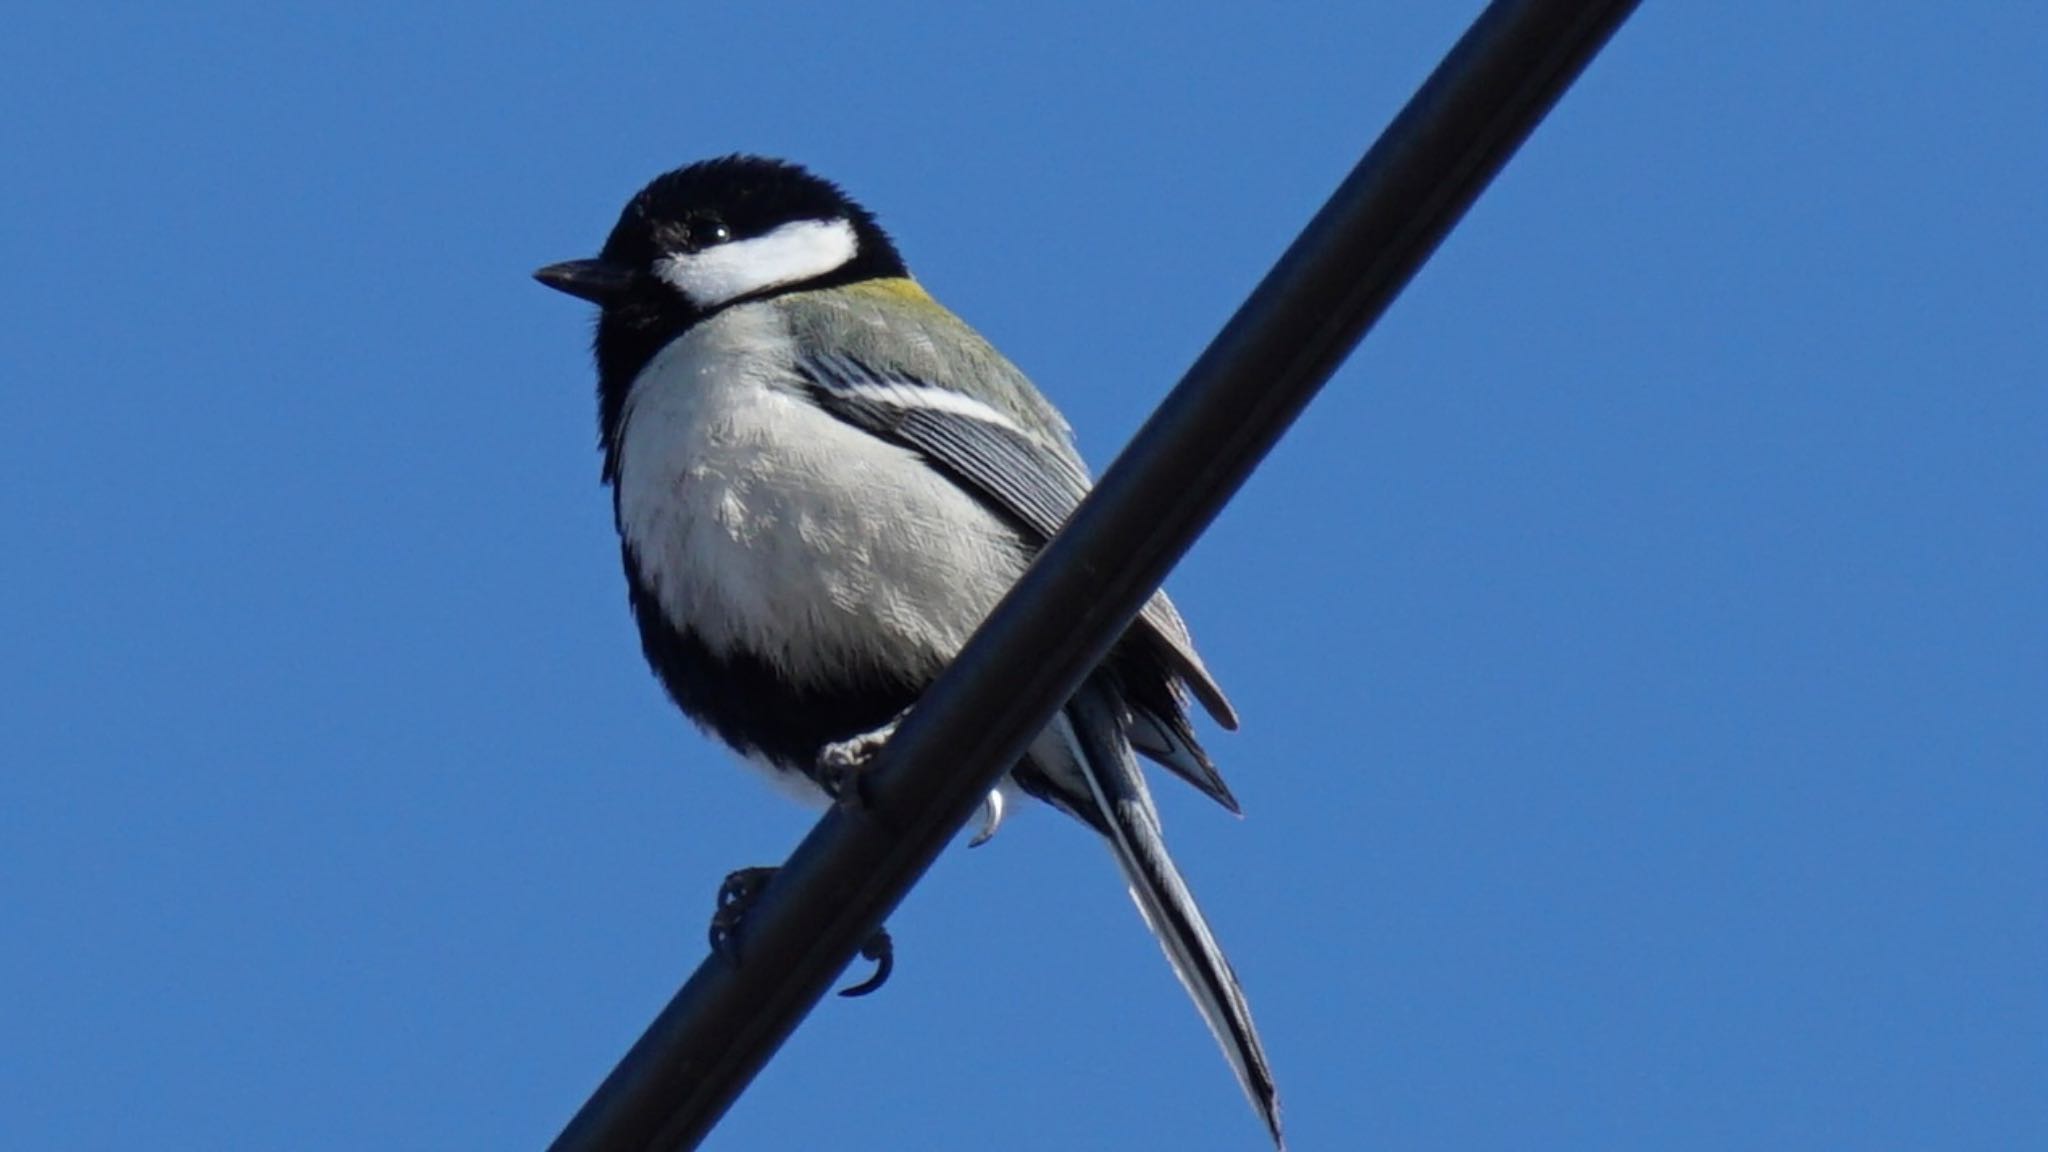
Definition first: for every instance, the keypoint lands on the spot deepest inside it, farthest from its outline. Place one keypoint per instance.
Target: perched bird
(823, 481)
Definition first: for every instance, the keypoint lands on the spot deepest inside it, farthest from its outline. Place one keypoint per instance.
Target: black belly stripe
(751, 706)
(747, 703)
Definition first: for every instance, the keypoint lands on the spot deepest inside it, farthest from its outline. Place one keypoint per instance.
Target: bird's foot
(991, 818)
(736, 897)
(882, 950)
(842, 764)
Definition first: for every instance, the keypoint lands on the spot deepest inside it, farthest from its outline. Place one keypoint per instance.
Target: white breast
(766, 525)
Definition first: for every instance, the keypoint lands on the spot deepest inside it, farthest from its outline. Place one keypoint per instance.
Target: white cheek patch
(790, 254)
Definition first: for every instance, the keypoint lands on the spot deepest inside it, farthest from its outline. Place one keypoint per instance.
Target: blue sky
(1642, 644)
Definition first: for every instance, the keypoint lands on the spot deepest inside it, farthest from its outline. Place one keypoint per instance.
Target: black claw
(882, 951)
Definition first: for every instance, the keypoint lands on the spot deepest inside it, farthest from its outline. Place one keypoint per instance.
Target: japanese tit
(823, 481)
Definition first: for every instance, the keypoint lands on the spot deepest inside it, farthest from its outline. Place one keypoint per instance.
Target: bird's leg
(841, 764)
(736, 897)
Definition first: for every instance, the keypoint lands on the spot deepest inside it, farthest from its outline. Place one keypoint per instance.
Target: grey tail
(1118, 804)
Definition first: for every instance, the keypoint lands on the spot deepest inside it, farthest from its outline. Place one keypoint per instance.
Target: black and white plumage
(823, 481)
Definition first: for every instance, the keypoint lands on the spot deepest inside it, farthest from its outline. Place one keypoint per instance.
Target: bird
(822, 481)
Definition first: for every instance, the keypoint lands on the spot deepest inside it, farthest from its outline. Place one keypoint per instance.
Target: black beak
(593, 280)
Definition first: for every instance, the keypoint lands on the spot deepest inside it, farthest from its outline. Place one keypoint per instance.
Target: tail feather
(1121, 807)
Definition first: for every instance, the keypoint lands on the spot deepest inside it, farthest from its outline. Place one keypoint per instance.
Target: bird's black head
(703, 238)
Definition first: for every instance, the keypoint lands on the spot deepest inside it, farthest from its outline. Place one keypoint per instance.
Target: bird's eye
(705, 233)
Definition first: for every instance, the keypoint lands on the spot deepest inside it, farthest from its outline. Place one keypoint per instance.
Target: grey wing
(1029, 481)
(1033, 482)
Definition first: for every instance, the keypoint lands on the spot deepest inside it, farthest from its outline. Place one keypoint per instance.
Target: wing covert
(1031, 481)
